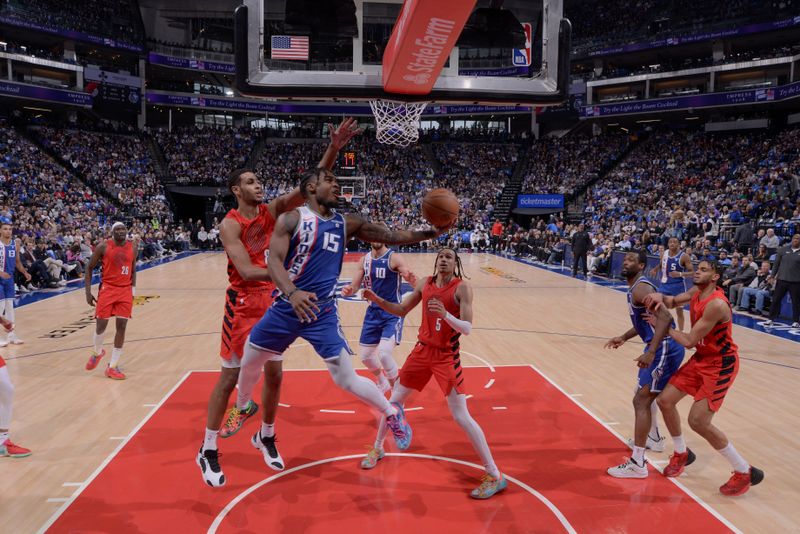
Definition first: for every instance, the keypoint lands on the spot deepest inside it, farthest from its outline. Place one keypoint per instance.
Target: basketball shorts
(667, 361)
(280, 327)
(7, 289)
(426, 361)
(114, 301)
(672, 288)
(243, 309)
(707, 378)
(378, 325)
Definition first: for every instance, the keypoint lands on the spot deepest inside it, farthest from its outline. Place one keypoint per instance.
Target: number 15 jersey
(316, 252)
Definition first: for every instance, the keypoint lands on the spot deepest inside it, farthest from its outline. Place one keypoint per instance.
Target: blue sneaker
(400, 428)
(489, 486)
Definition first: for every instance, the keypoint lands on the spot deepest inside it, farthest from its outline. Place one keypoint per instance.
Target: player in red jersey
(7, 448)
(115, 296)
(446, 315)
(707, 376)
(245, 233)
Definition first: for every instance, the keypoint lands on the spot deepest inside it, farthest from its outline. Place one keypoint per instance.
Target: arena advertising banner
(191, 64)
(730, 98)
(62, 96)
(69, 34)
(257, 106)
(696, 37)
(555, 202)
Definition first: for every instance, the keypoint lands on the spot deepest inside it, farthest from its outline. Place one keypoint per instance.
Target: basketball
(440, 207)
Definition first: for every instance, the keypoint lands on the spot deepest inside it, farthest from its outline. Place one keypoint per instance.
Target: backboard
(509, 51)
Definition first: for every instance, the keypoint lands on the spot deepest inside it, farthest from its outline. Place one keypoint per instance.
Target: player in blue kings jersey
(9, 263)
(661, 359)
(382, 271)
(675, 267)
(306, 253)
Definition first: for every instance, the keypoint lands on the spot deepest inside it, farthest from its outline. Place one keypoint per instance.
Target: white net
(397, 123)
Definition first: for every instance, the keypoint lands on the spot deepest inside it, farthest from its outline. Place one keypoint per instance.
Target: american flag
(289, 47)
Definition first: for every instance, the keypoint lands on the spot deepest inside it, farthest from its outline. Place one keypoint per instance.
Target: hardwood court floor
(74, 419)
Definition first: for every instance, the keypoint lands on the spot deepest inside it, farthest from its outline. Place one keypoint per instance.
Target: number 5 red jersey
(435, 331)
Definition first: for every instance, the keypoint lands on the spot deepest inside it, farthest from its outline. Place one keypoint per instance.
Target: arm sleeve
(462, 327)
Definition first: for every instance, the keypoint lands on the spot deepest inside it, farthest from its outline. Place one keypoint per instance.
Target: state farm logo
(417, 79)
(428, 50)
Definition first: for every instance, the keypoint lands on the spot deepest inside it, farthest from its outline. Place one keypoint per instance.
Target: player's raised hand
(615, 342)
(436, 307)
(342, 134)
(304, 305)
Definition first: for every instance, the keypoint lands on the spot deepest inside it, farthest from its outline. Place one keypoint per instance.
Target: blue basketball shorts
(378, 325)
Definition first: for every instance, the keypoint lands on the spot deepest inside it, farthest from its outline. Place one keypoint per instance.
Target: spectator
(786, 277)
(760, 288)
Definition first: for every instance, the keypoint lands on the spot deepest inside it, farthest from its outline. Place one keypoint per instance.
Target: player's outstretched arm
(399, 264)
(340, 136)
(376, 233)
(99, 250)
(401, 309)
(357, 280)
(303, 302)
(618, 341)
(230, 234)
(716, 312)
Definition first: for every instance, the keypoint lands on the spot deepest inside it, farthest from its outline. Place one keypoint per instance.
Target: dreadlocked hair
(459, 270)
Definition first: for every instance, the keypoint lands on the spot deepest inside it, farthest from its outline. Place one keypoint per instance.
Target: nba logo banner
(522, 56)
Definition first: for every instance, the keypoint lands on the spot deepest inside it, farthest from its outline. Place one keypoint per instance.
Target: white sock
(654, 434)
(116, 354)
(3, 437)
(8, 313)
(458, 407)
(267, 430)
(210, 442)
(253, 361)
(738, 463)
(385, 348)
(678, 444)
(345, 377)
(98, 342)
(638, 455)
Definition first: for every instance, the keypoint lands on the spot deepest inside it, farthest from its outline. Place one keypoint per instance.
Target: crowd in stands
(111, 18)
(117, 164)
(598, 24)
(205, 156)
(564, 165)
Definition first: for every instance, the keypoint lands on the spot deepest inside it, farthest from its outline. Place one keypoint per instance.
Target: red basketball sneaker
(14, 451)
(114, 373)
(678, 461)
(94, 359)
(739, 483)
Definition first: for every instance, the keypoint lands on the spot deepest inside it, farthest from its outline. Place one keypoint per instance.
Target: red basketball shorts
(114, 301)
(426, 361)
(707, 378)
(243, 309)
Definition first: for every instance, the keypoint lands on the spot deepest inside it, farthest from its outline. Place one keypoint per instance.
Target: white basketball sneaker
(629, 469)
(267, 447)
(208, 461)
(13, 339)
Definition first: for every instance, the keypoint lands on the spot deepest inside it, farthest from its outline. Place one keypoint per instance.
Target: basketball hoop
(397, 123)
(348, 197)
